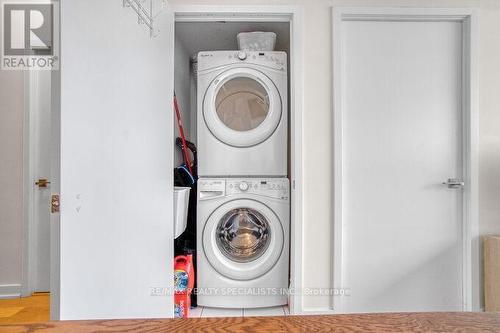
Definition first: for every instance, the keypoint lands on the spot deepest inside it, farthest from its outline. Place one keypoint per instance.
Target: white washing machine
(242, 114)
(243, 242)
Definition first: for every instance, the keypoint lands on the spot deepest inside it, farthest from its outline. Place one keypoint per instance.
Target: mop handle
(183, 137)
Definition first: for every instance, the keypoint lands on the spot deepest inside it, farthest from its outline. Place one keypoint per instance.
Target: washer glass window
(243, 234)
(242, 104)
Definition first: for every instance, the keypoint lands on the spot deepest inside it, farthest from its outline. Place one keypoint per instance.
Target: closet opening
(235, 105)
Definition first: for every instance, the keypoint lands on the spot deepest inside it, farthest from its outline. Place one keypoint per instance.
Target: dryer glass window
(243, 234)
(242, 104)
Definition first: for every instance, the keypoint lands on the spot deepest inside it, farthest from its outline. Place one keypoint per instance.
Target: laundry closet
(233, 155)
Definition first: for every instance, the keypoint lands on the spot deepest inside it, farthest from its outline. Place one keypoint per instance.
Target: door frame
(293, 15)
(469, 17)
(30, 124)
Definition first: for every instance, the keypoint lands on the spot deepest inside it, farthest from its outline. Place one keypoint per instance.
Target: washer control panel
(212, 185)
(271, 188)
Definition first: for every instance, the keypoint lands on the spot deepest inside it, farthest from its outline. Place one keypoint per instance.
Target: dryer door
(242, 107)
(243, 239)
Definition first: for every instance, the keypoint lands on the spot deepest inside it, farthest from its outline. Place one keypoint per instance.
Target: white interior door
(401, 139)
(40, 120)
(114, 233)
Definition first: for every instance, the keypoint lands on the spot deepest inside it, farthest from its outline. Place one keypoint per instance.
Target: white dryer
(243, 242)
(242, 114)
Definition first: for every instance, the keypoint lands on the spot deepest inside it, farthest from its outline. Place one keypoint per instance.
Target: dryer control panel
(271, 188)
(276, 60)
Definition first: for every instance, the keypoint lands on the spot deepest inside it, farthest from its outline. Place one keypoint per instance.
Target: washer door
(243, 239)
(242, 107)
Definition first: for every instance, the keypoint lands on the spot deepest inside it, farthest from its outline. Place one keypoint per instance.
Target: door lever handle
(42, 183)
(454, 183)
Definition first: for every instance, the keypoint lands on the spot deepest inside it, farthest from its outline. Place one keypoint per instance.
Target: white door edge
(471, 243)
(27, 258)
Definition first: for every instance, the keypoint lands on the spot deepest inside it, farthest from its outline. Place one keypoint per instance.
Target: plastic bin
(256, 41)
(181, 204)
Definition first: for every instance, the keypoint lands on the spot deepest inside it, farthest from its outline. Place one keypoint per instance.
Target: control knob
(242, 55)
(244, 186)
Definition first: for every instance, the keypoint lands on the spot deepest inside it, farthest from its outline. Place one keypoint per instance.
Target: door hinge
(55, 204)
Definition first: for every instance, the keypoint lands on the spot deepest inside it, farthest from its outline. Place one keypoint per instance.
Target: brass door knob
(42, 183)
(55, 205)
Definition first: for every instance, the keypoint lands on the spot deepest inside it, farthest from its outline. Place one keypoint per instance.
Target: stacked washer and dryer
(243, 218)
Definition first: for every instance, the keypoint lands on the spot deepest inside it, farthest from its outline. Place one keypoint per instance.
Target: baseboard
(10, 291)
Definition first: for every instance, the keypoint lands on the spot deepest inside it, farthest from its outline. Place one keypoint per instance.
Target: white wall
(318, 130)
(489, 119)
(11, 167)
(489, 140)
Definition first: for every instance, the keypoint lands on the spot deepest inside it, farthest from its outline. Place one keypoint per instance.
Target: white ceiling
(217, 36)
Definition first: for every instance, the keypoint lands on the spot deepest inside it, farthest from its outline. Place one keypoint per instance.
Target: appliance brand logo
(29, 35)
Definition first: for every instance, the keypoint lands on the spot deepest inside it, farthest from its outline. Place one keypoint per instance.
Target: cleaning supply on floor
(183, 285)
(186, 242)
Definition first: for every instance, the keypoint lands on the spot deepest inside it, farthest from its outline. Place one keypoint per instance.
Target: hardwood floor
(31, 314)
(25, 310)
(35, 309)
(387, 323)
